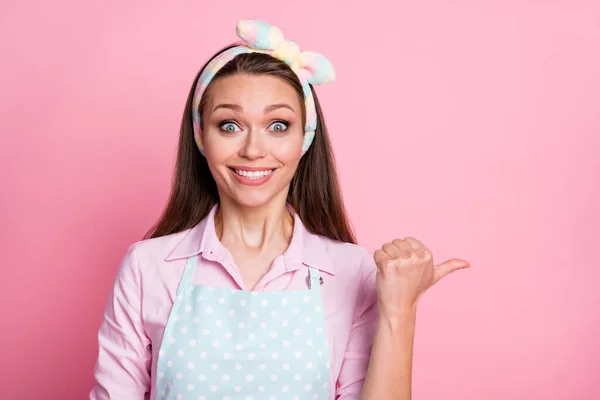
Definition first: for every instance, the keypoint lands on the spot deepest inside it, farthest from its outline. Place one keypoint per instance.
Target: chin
(256, 197)
(252, 201)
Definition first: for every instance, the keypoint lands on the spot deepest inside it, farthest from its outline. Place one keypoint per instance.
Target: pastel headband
(259, 37)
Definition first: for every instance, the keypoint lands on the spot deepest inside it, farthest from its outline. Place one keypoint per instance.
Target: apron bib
(228, 344)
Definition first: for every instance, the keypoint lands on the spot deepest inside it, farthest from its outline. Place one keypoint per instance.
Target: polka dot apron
(228, 344)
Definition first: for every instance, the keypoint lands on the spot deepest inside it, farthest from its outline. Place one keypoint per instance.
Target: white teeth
(253, 174)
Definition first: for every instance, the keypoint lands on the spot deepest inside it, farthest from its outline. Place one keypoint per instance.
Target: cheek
(290, 149)
(216, 149)
(208, 139)
(289, 154)
(215, 157)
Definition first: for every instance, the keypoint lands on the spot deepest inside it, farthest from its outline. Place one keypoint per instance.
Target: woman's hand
(405, 270)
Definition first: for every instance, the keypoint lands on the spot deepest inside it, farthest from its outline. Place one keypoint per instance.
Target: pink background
(472, 127)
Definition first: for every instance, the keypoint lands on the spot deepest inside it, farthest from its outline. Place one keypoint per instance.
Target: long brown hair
(314, 190)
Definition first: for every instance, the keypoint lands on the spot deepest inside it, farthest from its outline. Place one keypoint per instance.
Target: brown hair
(314, 190)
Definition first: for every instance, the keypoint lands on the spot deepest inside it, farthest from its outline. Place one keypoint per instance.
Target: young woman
(250, 285)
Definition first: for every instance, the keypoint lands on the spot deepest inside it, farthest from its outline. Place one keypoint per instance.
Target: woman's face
(252, 134)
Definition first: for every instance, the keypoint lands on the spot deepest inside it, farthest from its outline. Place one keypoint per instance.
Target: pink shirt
(145, 286)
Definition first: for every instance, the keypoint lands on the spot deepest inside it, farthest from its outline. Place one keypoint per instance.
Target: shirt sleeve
(122, 370)
(358, 351)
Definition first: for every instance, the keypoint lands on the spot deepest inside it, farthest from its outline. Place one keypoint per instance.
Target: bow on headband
(259, 37)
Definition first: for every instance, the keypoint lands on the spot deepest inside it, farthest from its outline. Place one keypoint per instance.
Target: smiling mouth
(253, 174)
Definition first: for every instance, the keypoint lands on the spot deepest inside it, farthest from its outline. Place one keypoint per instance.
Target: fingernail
(460, 263)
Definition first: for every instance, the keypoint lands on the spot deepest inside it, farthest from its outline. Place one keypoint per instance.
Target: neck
(254, 227)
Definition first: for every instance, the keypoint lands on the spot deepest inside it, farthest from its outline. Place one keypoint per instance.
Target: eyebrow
(268, 109)
(274, 107)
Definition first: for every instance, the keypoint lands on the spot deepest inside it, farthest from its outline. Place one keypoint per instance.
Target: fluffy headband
(259, 37)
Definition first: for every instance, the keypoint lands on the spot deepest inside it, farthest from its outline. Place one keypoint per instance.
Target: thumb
(448, 267)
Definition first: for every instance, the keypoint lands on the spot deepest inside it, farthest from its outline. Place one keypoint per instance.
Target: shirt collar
(305, 248)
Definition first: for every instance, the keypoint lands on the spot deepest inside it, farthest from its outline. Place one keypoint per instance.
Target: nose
(253, 146)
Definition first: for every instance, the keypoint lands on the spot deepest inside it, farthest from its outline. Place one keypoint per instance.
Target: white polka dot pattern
(239, 345)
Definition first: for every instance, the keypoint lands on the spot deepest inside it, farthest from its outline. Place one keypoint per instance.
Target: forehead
(258, 90)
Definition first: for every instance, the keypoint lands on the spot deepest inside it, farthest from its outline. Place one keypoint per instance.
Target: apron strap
(188, 276)
(184, 284)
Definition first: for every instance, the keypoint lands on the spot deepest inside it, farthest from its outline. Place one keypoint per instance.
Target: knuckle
(386, 265)
(416, 260)
(422, 253)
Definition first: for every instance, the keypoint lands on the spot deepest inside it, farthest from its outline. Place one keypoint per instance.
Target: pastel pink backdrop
(474, 127)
